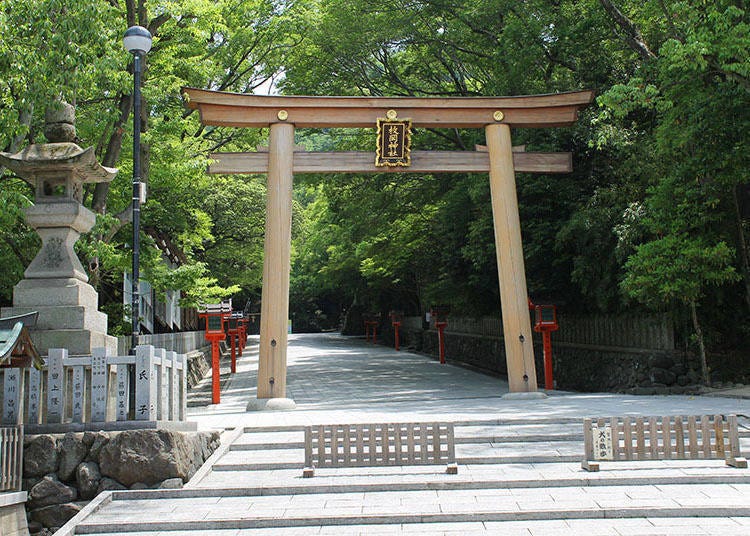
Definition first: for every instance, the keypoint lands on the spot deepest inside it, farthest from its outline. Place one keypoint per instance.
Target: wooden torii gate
(495, 114)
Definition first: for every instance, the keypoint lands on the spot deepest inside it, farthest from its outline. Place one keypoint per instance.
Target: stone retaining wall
(577, 367)
(63, 472)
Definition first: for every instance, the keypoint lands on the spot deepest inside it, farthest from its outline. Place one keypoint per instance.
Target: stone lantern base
(68, 315)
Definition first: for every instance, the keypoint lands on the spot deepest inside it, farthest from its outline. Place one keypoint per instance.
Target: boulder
(680, 369)
(40, 456)
(171, 483)
(107, 484)
(88, 478)
(151, 456)
(55, 515)
(72, 452)
(664, 361)
(663, 376)
(99, 440)
(50, 491)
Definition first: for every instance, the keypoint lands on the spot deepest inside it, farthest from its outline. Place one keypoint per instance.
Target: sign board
(602, 440)
(394, 141)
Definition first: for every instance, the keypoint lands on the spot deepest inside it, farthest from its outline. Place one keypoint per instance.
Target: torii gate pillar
(276, 265)
(495, 114)
(519, 348)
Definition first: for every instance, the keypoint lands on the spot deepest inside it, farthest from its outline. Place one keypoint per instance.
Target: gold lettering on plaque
(394, 141)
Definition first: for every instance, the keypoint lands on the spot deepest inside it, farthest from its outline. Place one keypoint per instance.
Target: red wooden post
(232, 338)
(215, 373)
(396, 317)
(548, 381)
(441, 340)
(546, 323)
(215, 316)
(440, 314)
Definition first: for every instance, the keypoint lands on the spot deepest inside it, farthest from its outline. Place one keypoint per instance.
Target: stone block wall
(63, 472)
(580, 367)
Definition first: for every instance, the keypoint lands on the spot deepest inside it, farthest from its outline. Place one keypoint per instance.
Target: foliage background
(654, 215)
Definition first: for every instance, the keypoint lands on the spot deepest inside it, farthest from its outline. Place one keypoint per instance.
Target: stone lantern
(55, 283)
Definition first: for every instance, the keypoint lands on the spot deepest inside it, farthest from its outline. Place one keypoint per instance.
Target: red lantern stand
(440, 314)
(545, 323)
(234, 338)
(371, 321)
(215, 315)
(243, 334)
(396, 318)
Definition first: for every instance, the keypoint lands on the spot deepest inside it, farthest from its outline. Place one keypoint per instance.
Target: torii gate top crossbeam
(242, 110)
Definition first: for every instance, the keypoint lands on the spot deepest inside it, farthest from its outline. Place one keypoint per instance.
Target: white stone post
(123, 400)
(99, 377)
(183, 387)
(145, 384)
(174, 385)
(55, 393)
(79, 387)
(13, 395)
(162, 410)
(35, 396)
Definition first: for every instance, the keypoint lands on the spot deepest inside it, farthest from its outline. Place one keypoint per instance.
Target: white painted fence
(95, 389)
(11, 457)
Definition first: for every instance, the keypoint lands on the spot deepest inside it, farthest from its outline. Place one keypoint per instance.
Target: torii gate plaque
(495, 114)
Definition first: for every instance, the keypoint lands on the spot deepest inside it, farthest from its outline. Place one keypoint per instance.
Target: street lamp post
(137, 41)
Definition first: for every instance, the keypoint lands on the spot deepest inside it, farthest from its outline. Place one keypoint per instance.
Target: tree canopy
(654, 215)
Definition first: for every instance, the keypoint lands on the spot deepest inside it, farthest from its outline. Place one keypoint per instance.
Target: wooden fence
(11, 457)
(96, 388)
(646, 332)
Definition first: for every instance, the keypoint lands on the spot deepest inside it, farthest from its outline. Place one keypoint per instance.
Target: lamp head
(137, 39)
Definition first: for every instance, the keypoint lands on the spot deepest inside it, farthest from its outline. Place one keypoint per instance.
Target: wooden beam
(364, 162)
(244, 110)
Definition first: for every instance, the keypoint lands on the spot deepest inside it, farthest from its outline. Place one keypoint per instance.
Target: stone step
(707, 526)
(520, 475)
(477, 422)
(216, 512)
(474, 453)
(463, 435)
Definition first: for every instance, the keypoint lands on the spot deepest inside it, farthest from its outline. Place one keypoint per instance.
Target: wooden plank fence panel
(663, 438)
(628, 439)
(679, 437)
(377, 444)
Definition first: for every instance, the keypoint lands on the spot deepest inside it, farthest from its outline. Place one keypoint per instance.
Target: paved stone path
(519, 460)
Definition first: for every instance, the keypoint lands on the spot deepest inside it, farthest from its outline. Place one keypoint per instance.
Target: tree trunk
(633, 36)
(701, 345)
(744, 261)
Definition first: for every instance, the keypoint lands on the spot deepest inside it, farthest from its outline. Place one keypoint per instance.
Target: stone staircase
(515, 477)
